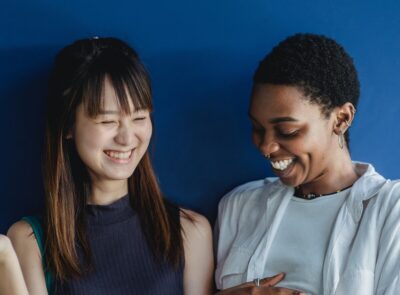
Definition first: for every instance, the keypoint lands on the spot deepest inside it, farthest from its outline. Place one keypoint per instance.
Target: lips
(120, 156)
(282, 164)
(282, 168)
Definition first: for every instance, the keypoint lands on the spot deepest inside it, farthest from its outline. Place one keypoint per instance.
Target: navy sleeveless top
(122, 260)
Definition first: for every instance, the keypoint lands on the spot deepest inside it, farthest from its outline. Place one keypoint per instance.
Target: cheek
(89, 139)
(145, 133)
(313, 148)
(313, 141)
(256, 138)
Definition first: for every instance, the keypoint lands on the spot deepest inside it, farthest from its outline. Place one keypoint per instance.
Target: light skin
(12, 281)
(287, 126)
(111, 146)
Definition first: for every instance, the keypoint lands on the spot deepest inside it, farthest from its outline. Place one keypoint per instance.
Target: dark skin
(288, 128)
(267, 287)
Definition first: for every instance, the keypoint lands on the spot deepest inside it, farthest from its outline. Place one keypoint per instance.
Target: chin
(288, 182)
(293, 182)
(121, 175)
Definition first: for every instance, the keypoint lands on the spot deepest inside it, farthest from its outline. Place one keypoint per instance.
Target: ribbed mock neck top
(122, 260)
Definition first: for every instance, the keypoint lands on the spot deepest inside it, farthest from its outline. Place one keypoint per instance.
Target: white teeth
(119, 155)
(281, 165)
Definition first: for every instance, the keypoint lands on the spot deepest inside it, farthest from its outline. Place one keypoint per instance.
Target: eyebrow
(283, 119)
(277, 119)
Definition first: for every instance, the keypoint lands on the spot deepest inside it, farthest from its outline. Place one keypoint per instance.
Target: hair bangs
(128, 78)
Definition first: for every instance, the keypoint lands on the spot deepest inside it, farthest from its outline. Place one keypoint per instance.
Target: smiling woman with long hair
(107, 228)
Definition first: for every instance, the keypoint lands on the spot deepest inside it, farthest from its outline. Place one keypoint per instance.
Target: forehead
(110, 100)
(270, 101)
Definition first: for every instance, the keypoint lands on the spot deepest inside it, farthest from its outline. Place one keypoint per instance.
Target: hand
(12, 280)
(6, 248)
(267, 287)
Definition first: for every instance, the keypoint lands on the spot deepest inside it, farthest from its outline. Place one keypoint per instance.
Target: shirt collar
(367, 185)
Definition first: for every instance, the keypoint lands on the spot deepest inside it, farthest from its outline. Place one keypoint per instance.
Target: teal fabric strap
(38, 232)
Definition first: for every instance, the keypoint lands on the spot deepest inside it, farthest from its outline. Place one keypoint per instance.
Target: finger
(235, 288)
(272, 281)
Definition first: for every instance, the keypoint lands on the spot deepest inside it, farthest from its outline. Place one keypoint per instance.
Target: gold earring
(341, 139)
(267, 156)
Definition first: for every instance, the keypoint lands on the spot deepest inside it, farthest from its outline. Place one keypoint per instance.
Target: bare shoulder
(21, 230)
(22, 237)
(199, 260)
(29, 256)
(194, 223)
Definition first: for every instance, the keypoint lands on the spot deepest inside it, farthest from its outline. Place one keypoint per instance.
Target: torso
(122, 260)
(363, 241)
(301, 242)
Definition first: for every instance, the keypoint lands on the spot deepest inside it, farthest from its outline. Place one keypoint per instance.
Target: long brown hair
(77, 78)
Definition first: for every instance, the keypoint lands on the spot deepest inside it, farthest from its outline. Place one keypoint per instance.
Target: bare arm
(12, 281)
(27, 250)
(199, 261)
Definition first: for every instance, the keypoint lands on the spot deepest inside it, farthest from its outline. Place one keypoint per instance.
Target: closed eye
(290, 134)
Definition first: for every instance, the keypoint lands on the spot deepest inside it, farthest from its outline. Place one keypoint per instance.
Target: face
(298, 138)
(112, 143)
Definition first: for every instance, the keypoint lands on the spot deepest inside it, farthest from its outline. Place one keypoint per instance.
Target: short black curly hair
(317, 65)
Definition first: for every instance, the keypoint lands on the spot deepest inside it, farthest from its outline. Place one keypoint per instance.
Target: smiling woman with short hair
(326, 224)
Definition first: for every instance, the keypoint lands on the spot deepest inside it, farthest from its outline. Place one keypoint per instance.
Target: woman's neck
(337, 176)
(107, 192)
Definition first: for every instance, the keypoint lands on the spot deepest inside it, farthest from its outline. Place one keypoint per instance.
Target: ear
(344, 116)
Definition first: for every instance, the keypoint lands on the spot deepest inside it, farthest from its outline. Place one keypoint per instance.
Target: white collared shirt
(363, 254)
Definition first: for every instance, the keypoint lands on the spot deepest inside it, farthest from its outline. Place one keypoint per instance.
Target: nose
(267, 144)
(125, 135)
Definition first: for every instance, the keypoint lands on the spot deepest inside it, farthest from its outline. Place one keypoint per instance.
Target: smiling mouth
(282, 164)
(119, 155)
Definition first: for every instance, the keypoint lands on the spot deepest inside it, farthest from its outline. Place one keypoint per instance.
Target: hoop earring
(341, 140)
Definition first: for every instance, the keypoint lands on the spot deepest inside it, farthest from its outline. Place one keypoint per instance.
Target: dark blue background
(201, 56)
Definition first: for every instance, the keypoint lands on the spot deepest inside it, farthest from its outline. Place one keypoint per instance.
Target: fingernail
(282, 274)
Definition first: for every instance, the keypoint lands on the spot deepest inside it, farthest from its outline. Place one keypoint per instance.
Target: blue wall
(201, 57)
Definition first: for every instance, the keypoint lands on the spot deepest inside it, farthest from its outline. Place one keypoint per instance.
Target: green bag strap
(37, 228)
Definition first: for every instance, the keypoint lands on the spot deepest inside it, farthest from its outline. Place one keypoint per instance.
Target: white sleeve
(387, 270)
(224, 233)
